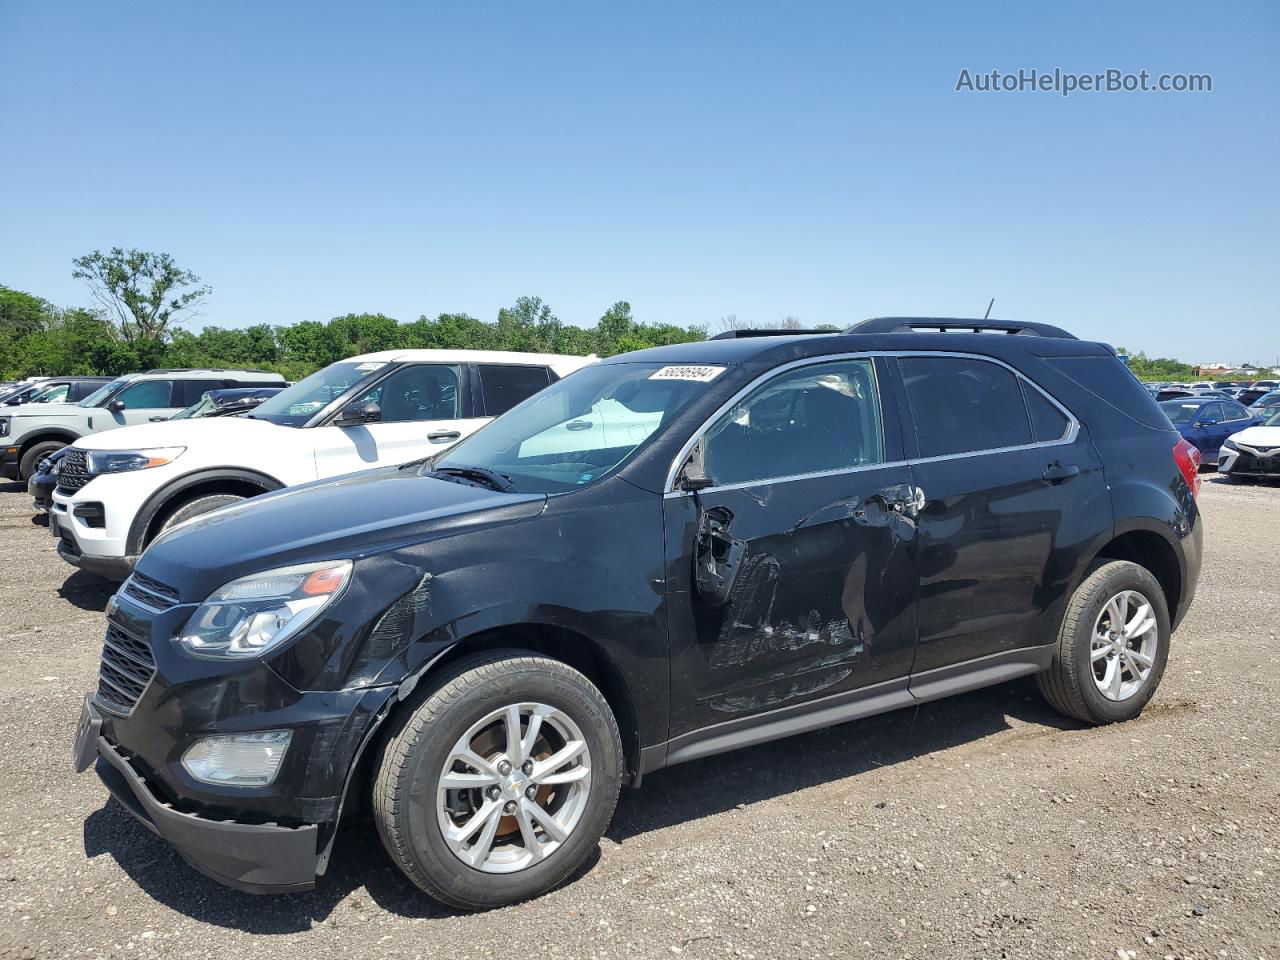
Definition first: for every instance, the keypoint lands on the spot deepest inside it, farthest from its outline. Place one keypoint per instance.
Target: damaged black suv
(666, 555)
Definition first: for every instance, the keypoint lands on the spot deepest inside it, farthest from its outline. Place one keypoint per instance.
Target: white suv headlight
(122, 461)
(252, 615)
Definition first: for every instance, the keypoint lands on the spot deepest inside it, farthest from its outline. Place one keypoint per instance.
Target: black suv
(672, 553)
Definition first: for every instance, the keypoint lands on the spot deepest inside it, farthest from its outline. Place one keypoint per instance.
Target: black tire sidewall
(1123, 576)
(31, 459)
(425, 759)
(182, 510)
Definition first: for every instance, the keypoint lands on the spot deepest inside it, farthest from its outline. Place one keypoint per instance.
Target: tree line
(143, 297)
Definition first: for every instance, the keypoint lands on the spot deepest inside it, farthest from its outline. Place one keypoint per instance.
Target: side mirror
(354, 414)
(116, 406)
(694, 475)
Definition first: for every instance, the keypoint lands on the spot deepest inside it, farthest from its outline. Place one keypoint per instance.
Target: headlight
(252, 615)
(122, 461)
(4, 426)
(1230, 444)
(243, 760)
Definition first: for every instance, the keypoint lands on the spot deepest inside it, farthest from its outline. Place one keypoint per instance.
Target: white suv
(116, 491)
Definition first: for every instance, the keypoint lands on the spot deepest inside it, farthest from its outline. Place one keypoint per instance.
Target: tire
(31, 459)
(1071, 684)
(410, 809)
(198, 506)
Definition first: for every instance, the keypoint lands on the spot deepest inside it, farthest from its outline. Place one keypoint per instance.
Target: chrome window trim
(673, 472)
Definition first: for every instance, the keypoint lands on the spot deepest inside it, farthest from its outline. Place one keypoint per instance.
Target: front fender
(589, 568)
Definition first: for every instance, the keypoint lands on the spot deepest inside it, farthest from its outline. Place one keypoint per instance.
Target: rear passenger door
(1012, 490)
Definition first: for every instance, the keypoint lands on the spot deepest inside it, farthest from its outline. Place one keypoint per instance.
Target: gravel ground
(982, 826)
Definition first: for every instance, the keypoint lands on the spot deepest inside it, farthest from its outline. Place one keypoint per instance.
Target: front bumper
(78, 552)
(254, 857)
(41, 490)
(1246, 463)
(270, 838)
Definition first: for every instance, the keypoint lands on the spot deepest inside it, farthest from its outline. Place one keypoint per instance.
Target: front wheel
(500, 782)
(198, 507)
(1112, 646)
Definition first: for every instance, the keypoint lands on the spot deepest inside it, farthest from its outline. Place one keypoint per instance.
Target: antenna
(987, 315)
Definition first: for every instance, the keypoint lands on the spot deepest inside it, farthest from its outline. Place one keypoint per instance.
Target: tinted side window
(190, 391)
(961, 405)
(148, 394)
(504, 386)
(420, 391)
(1112, 381)
(816, 419)
(1235, 411)
(1047, 422)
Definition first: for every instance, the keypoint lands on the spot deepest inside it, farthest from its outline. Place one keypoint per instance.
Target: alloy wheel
(1123, 647)
(514, 787)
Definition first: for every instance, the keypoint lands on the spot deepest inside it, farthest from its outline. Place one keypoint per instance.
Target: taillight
(1187, 457)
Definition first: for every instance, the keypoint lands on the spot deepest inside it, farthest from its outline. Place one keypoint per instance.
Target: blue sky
(696, 159)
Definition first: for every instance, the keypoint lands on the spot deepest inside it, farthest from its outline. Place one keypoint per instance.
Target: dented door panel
(787, 591)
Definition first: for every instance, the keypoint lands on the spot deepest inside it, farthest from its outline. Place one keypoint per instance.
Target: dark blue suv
(666, 555)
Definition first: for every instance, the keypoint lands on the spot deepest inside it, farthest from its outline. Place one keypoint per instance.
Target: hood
(176, 433)
(1257, 437)
(348, 517)
(48, 410)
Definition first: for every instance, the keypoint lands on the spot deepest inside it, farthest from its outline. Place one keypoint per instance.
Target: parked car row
(480, 592)
(215, 403)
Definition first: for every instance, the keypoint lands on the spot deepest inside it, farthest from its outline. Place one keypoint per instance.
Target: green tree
(144, 291)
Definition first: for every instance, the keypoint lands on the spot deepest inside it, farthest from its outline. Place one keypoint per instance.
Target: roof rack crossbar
(740, 334)
(943, 324)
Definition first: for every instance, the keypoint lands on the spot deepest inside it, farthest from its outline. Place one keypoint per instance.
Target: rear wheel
(31, 459)
(1112, 646)
(499, 783)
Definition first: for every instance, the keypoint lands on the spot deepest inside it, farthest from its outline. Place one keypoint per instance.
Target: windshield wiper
(479, 476)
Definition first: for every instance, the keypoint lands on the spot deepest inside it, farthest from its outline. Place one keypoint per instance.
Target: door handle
(440, 436)
(157, 419)
(1059, 472)
(578, 425)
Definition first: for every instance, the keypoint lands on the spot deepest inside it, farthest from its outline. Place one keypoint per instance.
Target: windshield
(1271, 419)
(1180, 414)
(581, 428)
(55, 394)
(93, 399)
(294, 406)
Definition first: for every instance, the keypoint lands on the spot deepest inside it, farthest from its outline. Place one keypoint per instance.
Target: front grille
(151, 593)
(126, 668)
(73, 471)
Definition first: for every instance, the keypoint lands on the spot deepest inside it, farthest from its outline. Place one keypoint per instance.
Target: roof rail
(740, 334)
(942, 324)
(205, 370)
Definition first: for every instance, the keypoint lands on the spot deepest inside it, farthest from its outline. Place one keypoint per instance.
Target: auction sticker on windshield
(698, 374)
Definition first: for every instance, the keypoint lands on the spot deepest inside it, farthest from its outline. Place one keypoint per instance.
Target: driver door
(146, 401)
(792, 576)
(423, 411)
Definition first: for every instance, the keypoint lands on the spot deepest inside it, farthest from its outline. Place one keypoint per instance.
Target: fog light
(243, 760)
